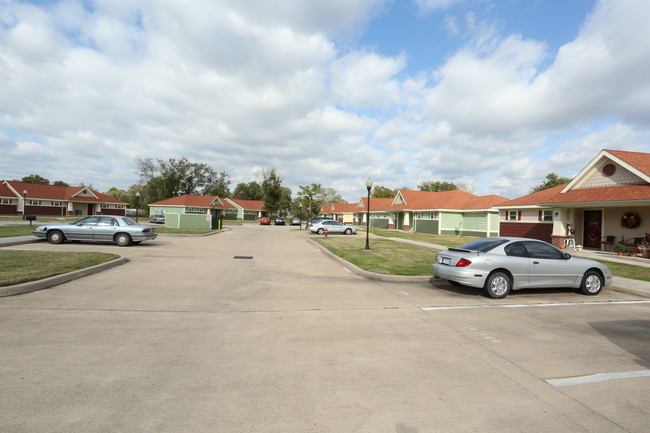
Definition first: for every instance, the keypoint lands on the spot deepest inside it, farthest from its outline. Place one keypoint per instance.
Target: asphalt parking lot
(186, 337)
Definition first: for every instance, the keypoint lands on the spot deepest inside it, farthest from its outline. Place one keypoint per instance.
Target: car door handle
(535, 263)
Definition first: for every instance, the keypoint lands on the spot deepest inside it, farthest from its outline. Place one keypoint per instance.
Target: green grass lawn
(385, 257)
(18, 267)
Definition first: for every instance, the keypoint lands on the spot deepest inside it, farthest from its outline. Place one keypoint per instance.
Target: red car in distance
(265, 221)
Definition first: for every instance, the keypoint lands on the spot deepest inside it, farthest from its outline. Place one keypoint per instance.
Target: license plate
(446, 260)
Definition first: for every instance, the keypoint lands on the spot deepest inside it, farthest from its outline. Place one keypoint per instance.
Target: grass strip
(385, 257)
(18, 267)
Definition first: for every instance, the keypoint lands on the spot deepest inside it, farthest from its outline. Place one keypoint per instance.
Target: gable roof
(340, 208)
(188, 200)
(257, 205)
(628, 181)
(37, 191)
(448, 200)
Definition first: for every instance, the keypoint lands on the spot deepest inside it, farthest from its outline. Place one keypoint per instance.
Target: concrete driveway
(187, 338)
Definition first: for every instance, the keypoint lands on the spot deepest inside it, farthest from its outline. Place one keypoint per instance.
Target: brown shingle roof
(535, 198)
(638, 160)
(57, 193)
(605, 194)
(454, 199)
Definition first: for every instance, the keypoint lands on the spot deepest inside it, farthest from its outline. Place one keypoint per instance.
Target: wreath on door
(630, 220)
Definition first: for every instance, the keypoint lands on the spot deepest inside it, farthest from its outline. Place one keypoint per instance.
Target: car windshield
(483, 245)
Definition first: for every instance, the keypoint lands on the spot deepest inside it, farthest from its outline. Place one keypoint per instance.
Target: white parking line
(600, 377)
(558, 304)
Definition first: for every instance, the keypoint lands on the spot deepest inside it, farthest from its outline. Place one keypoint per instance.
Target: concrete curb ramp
(46, 283)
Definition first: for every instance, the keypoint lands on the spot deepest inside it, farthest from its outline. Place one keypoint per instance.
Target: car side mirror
(567, 256)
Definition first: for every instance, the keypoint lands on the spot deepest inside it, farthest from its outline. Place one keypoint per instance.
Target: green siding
(427, 226)
(379, 223)
(186, 221)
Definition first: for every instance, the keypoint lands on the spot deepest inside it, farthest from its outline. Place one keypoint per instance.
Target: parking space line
(599, 377)
(558, 304)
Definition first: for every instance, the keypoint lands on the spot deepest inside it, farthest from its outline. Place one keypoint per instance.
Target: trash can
(217, 223)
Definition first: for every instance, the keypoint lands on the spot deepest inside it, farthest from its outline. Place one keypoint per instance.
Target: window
(511, 215)
(539, 250)
(547, 215)
(516, 249)
(5, 201)
(57, 203)
(35, 202)
(106, 221)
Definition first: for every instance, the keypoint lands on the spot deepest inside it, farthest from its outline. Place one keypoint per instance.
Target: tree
(119, 194)
(309, 201)
(272, 190)
(35, 178)
(248, 191)
(219, 185)
(383, 192)
(285, 201)
(59, 183)
(165, 179)
(329, 196)
(552, 179)
(436, 186)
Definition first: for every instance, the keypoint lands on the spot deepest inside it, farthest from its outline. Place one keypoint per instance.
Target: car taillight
(146, 230)
(462, 263)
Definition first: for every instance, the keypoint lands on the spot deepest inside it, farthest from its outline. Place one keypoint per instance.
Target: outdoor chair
(633, 242)
(607, 241)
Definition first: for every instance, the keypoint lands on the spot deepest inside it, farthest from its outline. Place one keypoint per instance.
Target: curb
(372, 275)
(46, 283)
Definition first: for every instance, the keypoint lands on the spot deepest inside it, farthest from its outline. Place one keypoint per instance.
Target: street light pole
(137, 204)
(369, 187)
(24, 203)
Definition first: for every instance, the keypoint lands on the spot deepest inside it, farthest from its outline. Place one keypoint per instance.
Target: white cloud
(90, 86)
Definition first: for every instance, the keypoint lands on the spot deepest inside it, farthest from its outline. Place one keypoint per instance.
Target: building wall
(8, 209)
(427, 226)
(536, 230)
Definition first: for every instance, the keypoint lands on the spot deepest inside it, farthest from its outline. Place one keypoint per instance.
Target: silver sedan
(499, 265)
(120, 230)
(332, 227)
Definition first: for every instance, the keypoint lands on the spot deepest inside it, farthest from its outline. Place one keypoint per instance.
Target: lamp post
(24, 203)
(137, 204)
(369, 187)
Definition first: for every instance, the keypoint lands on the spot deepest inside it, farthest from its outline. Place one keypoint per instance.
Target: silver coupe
(120, 230)
(499, 265)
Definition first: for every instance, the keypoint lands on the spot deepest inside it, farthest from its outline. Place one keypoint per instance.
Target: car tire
(123, 239)
(320, 231)
(348, 231)
(592, 283)
(497, 285)
(55, 237)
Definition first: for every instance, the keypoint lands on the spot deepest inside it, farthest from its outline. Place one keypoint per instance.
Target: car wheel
(123, 240)
(320, 231)
(592, 283)
(55, 237)
(348, 231)
(497, 285)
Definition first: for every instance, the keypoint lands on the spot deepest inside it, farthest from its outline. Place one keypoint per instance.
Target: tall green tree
(59, 183)
(309, 201)
(436, 186)
(219, 185)
(272, 190)
(119, 194)
(552, 179)
(35, 178)
(248, 191)
(383, 192)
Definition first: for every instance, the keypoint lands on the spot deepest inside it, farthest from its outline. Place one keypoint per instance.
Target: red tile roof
(249, 204)
(534, 198)
(638, 160)
(454, 199)
(53, 192)
(604, 194)
(376, 204)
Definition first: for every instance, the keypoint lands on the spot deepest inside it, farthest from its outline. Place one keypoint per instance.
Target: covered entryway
(593, 223)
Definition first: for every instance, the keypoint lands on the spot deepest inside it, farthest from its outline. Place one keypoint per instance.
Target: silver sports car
(502, 264)
(98, 228)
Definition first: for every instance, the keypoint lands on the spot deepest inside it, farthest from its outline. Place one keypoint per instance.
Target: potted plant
(619, 249)
(645, 246)
(632, 252)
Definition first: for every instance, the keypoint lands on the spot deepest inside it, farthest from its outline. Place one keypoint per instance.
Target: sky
(491, 94)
